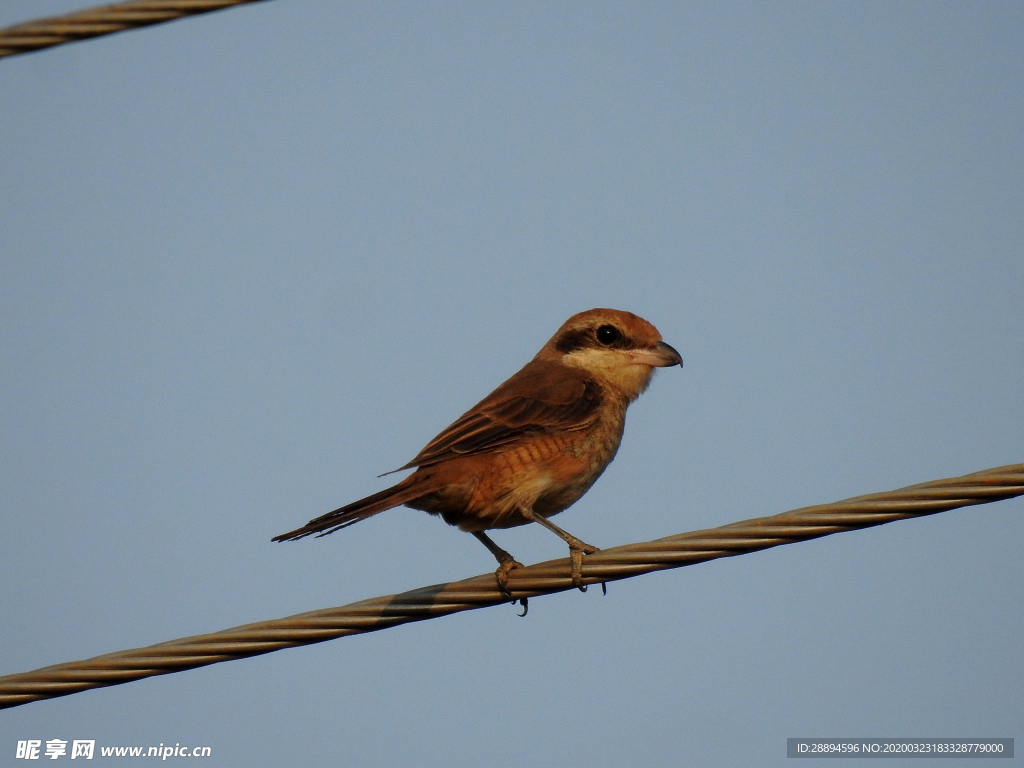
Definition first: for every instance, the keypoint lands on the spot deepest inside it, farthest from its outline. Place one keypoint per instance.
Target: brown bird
(535, 445)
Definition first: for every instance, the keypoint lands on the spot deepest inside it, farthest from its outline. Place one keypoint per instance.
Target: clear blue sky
(251, 260)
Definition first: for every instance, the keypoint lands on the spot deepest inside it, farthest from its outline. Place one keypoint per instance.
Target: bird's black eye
(608, 334)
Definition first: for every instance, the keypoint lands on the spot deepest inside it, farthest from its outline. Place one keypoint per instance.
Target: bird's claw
(576, 551)
(501, 575)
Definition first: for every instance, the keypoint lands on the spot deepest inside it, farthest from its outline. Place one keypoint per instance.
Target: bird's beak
(661, 355)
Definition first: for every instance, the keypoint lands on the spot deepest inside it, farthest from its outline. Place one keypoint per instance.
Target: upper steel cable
(529, 581)
(102, 20)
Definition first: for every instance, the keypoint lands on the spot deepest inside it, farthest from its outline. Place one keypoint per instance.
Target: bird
(532, 447)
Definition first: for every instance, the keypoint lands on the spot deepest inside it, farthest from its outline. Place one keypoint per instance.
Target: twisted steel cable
(529, 581)
(102, 20)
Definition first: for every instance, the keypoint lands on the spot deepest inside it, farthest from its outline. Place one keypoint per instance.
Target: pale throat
(629, 379)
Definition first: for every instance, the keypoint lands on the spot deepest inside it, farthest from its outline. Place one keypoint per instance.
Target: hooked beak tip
(669, 354)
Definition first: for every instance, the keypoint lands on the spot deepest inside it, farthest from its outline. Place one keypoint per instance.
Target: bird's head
(617, 347)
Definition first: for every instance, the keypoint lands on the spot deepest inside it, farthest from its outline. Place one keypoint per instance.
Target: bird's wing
(541, 399)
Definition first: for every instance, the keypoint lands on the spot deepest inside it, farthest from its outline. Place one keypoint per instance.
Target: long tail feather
(350, 514)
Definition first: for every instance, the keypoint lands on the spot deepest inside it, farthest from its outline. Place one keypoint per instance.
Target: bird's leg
(506, 563)
(577, 548)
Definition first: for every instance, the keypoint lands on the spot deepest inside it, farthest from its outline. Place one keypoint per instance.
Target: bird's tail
(395, 496)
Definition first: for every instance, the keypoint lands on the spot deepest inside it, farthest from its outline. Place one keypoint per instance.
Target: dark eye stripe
(587, 338)
(570, 341)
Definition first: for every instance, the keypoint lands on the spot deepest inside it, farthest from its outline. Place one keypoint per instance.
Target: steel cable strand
(102, 20)
(530, 581)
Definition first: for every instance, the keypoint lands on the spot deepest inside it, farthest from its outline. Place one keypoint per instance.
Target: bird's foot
(577, 549)
(506, 564)
(501, 575)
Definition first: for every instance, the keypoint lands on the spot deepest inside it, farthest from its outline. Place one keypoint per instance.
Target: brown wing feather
(536, 401)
